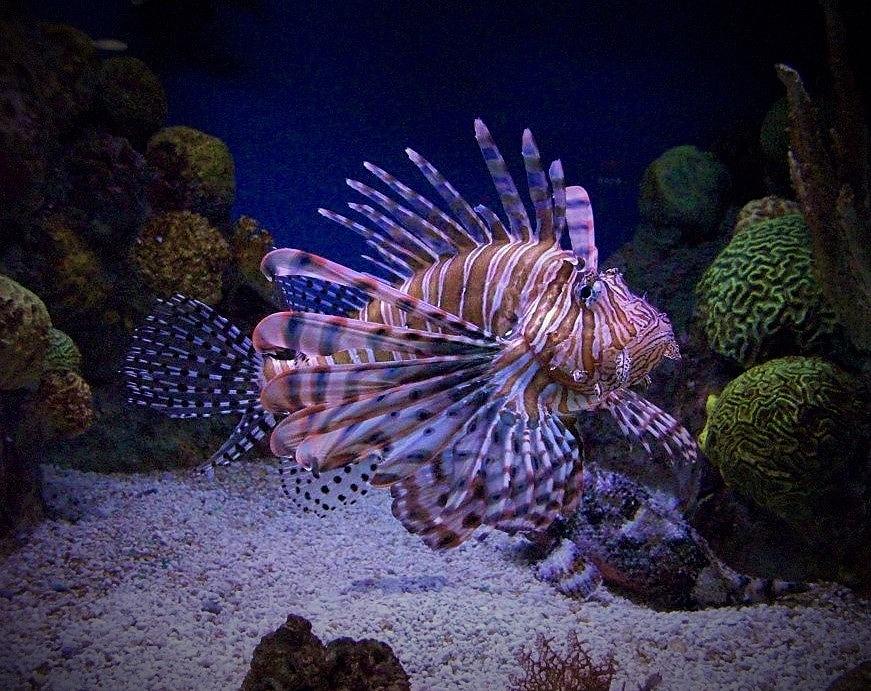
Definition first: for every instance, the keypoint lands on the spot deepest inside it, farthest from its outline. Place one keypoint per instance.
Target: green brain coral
(784, 433)
(759, 297)
(684, 187)
(63, 355)
(24, 334)
(179, 252)
(195, 172)
(132, 98)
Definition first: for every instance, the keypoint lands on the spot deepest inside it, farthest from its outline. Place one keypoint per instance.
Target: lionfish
(451, 379)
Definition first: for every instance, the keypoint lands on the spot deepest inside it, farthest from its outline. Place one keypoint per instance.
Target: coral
(63, 355)
(787, 434)
(294, 659)
(24, 334)
(73, 53)
(833, 184)
(545, 668)
(687, 188)
(61, 408)
(249, 242)
(132, 98)
(195, 172)
(179, 252)
(104, 180)
(758, 210)
(759, 297)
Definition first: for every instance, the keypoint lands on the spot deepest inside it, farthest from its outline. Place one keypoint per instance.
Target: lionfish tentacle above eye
(518, 220)
(579, 217)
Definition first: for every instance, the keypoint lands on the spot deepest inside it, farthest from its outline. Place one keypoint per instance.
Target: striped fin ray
(443, 233)
(511, 491)
(295, 262)
(579, 218)
(497, 229)
(255, 424)
(395, 255)
(518, 220)
(558, 183)
(321, 334)
(188, 361)
(464, 213)
(397, 233)
(416, 229)
(308, 294)
(333, 384)
(538, 189)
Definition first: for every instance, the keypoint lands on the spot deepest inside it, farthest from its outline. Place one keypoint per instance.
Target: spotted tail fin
(186, 361)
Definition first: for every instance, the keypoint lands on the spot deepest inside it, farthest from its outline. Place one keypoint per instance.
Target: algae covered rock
(294, 659)
(62, 355)
(758, 210)
(61, 408)
(195, 172)
(180, 252)
(132, 98)
(787, 434)
(249, 243)
(24, 334)
(759, 298)
(687, 188)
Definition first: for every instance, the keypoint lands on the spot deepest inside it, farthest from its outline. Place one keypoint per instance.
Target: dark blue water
(303, 92)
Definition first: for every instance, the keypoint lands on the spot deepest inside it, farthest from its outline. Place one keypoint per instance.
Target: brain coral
(132, 98)
(757, 210)
(195, 172)
(61, 408)
(759, 297)
(684, 187)
(179, 252)
(784, 433)
(63, 355)
(24, 334)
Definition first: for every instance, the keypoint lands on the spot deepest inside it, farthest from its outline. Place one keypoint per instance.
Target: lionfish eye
(585, 292)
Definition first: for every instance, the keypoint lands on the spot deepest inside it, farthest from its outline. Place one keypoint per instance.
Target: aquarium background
(302, 93)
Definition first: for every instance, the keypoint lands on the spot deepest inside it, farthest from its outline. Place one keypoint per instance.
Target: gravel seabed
(168, 581)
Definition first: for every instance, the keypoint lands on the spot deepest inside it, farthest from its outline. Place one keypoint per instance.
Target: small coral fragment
(758, 210)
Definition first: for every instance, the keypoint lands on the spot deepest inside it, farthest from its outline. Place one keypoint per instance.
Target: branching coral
(833, 183)
(24, 334)
(195, 172)
(545, 668)
(759, 298)
(179, 252)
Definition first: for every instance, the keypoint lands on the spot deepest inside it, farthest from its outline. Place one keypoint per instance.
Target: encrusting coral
(61, 408)
(195, 172)
(62, 355)
(758, 210)
(833, 183)
(179, 252)
(787, 434)
(132, 98)
(687, 188)
(24, 334)
(249, 243)
(760, 298)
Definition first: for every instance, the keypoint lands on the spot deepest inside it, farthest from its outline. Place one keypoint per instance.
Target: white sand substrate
(168, 581)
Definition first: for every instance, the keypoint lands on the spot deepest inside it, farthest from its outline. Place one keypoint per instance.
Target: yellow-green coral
(196, 172)
(758, 210)
(179, 252)
(63, 355)
(784, 434)
(684, 187)
(80, 285)
(61, 408)
(24, 334)
(249, 243)
(132, 97)
(759, 297)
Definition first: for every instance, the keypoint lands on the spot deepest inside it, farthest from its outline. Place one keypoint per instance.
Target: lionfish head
(610, 337)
